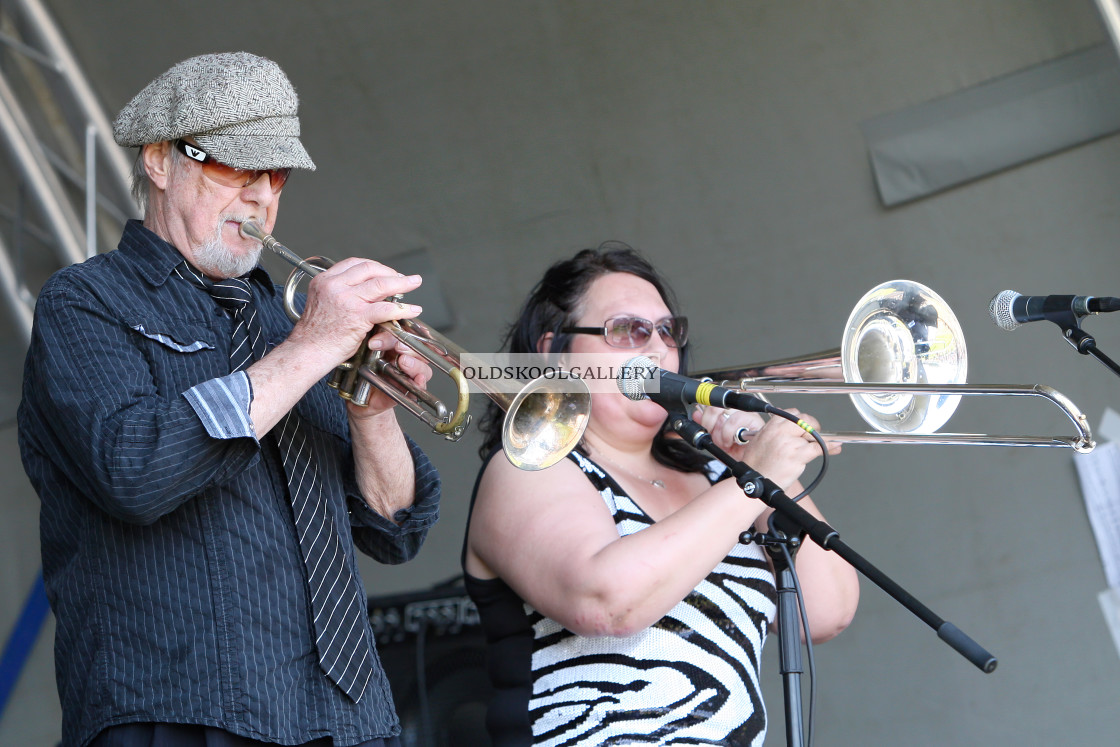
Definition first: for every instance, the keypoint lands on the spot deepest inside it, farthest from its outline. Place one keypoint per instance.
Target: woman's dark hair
(555, 302)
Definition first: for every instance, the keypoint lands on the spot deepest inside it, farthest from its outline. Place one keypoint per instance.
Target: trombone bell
(903, 333)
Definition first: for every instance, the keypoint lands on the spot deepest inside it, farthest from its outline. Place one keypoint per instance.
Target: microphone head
(1000, 309)
(630, 379)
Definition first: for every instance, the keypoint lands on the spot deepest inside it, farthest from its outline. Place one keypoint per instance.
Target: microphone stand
(789, 630)
(792, 522)
(1081, 340)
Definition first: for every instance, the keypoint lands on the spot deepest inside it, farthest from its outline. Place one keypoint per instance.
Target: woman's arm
(829, 584)
(549, 535)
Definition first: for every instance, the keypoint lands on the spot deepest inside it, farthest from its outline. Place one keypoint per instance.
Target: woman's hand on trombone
(780, 450)
(773, 446)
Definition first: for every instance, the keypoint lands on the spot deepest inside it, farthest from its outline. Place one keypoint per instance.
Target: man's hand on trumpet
(344, 303)
(404, 358)
(774, 446)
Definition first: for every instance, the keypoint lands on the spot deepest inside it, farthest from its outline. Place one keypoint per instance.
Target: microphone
(636, 380)
(1009, 309)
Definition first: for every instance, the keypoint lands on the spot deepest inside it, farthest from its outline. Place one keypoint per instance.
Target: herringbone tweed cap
(239, 108)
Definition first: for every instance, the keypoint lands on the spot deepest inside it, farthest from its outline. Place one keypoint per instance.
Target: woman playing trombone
(618, 603)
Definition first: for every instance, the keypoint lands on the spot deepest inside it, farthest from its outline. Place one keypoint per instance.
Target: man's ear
(157, 162)
(544, 343)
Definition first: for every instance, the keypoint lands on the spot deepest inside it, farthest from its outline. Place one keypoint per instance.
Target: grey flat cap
(240, 108)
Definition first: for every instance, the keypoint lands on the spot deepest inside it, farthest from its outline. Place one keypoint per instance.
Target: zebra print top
(692, 678)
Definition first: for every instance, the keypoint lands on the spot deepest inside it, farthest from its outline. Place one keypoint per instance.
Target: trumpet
(544, 419)
(903, 362)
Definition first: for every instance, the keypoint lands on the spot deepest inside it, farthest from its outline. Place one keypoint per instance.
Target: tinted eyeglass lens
(628, 331)
(241, 178)
(674, 331)
(276, 178)
(634, 332)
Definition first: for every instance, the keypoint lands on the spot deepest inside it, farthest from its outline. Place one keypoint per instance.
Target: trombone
(544, 419)
(903, 362)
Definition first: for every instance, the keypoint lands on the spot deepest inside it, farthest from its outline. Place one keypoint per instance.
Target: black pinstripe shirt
(169, 552)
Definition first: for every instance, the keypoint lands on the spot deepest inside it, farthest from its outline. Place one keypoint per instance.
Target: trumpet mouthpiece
(251, 230)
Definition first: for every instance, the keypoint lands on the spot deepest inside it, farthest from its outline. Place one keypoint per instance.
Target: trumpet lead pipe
(252, 230)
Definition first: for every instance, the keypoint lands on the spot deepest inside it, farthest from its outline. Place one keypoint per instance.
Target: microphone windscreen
(1000, 309)
(630, 378)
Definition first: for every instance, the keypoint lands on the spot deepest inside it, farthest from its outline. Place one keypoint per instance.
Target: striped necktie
(337, 605)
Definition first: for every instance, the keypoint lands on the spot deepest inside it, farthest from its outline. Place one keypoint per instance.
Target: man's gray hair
(141, 185)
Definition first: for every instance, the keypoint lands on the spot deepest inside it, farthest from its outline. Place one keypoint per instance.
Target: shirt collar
(156, 259)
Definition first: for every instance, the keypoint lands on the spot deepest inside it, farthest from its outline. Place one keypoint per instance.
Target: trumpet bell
(544, 421)
(901, 332)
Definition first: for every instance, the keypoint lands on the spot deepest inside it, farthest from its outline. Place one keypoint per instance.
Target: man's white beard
(216, 259)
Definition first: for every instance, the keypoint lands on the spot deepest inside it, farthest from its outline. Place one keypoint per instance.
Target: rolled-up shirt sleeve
(223, 406)
(389, 542)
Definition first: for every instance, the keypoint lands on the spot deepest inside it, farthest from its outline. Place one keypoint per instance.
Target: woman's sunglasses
(228, 176)
(634, 332)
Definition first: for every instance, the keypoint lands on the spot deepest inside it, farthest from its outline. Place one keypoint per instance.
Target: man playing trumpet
(203, 490)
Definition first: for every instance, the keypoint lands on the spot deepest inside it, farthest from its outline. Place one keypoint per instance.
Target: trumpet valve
(347, 380)
(360, 388)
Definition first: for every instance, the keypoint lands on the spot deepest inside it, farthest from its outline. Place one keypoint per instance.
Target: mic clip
(1069, 322)
(1081, 340)
(689, 430)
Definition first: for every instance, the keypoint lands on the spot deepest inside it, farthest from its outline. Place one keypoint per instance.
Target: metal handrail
(45, 176)
(118, 167)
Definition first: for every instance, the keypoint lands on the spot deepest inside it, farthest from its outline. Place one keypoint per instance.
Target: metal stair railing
(55, 135)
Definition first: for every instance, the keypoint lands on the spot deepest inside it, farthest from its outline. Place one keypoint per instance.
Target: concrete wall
(721, 138)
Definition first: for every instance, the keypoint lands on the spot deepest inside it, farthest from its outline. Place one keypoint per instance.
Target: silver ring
(741, 436)
(725, 415)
